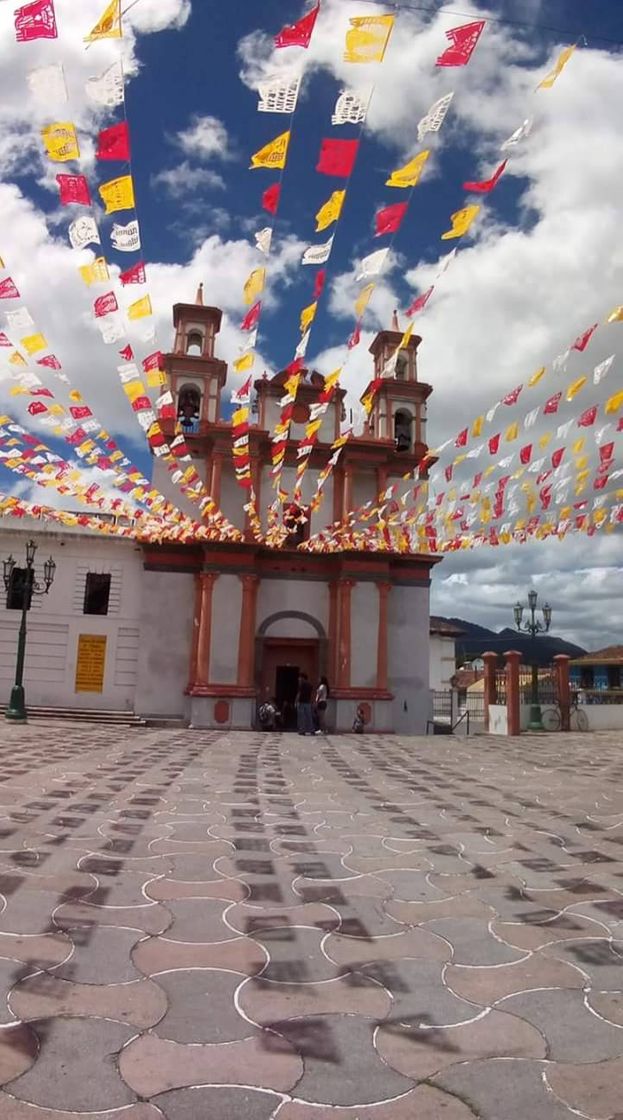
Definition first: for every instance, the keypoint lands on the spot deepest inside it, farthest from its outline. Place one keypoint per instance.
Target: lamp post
(28, 586)
(533, 626)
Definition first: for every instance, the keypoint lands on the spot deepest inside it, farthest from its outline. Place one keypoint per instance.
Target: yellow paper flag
(576, 387)
(273, 154)
(254, 285)
(245, 362)
(156, 378)
(409, 175)
(536, 377)
(330, 211)
(477, 426)
(331, 380)
(616, 316)
(140, 309)
(118, 194)
(461, 222)
(363, 299)
(404, 341)
(133, 390)
(33, 343)
(60, 141)
(544, 440)
(578, 445)
(307, 316)
(512, 431)
(96, 272)
(614, 403)
(368, 38)
(108, 25)
(561, 62)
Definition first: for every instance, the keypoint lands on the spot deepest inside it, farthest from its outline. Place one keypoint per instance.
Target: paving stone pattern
(223, 926)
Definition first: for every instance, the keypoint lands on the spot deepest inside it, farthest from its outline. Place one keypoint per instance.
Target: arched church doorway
(288, 643)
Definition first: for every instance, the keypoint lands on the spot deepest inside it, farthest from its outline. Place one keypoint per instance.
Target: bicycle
(551, 718)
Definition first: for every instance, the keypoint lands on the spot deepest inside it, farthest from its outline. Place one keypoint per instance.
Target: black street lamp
(533, 627)
(23, 585)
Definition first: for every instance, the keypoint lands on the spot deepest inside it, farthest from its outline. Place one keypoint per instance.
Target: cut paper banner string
(351, 107)
(434, 118)
(273, 154)
(279, 94)
(410, 174)
(367, 38)
(298, 34)
(558, 68)
(35, 21)
(487, 185)
(337, 157)
(108, 25)
(463, 42)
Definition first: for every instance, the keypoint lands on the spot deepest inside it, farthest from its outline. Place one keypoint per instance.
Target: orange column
(344, 647)
(348, 491)
(194, 647)
(333, 629)
(381, 648)
(215, 478)
(513, 714)
(381, 479)
(246, 642)
(206, 583)
(490, 692)
(338, 494)
(563, 688)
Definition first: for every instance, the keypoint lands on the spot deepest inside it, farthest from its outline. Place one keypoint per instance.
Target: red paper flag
(73, 188)
(587, 419)
(337, 157)
(36, 408)
(270, 198)
(420, 303)
(388, 220)
(494, 444)
(76, 437)
(448, 473)
(606, 452)
(105, 305)
(557, 457)
(461, 439)
(463, 43)
(152, 361)
(42, 393)
(80, 412)
(35, 21)
(298, 34)
(127, 353)
(114, 143)
(321, 276)
(141, 403)
(252, 317)
(620, 424)
(551, 406)
(4, 341)
(513, 396)
(525, 454)
(487, 184)
(8, 289)
(134, 275)
(355, 337)
(582, 342)
(51, 361)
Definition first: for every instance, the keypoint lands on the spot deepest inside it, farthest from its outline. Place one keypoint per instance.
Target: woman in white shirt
(320, 704)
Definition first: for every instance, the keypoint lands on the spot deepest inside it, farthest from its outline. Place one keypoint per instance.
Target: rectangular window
(96, 593)
(20, 586)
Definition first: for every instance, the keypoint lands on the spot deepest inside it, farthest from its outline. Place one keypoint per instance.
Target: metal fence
(546, 685)
(500, 686)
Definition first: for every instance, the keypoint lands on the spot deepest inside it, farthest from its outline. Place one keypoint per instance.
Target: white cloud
(205, 138)
(184, 178)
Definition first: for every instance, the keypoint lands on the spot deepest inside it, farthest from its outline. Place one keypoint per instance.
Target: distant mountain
(476, 640)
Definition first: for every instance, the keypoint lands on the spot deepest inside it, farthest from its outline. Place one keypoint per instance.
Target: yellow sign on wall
(91, 663)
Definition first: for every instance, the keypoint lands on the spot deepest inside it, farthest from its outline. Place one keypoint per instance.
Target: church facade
(225, 626)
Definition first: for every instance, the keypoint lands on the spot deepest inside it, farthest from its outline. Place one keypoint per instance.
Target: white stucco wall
(308, 596)
(498, 719)
(56, 620)
(442, 662)
(364, 635)
(226, 604)
(166, 627)
(408, 640)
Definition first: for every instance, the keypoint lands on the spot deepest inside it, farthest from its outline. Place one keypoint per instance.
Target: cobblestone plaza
(213, 926)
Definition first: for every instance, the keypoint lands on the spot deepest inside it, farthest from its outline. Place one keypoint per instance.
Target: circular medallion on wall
(300, 414)
(221, 711)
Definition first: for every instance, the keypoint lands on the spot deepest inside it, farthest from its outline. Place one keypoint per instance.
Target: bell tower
(399, 408)
(196, 376)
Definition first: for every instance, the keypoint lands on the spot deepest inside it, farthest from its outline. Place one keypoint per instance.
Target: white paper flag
(519, 134)
(263, 239)
(279, 94)
(372, 264)
(446, 262)
(19, 320)
(435, 117)
(601, 433)
(249, 343)
(563, 429)
(146, 417)
(107, 88)
(111, 328)
(317, 254)
(560, 363)
(147, 332)
(602, 370)
(130, 372)
(531, 418)
(302, 346)
(351, 107)
(492, 411)
(47, 84)
(84, 232)
(126, 239)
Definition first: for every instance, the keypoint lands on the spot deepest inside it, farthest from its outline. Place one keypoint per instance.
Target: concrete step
(85, 715)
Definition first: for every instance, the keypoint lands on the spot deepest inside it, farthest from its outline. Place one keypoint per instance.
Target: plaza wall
(409, 644)
(166, 623)
(57, 620)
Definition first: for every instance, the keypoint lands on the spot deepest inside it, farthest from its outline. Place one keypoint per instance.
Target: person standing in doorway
(304, 717)
(320, 702)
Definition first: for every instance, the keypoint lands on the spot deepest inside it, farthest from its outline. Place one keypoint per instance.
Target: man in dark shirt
(304, 717)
